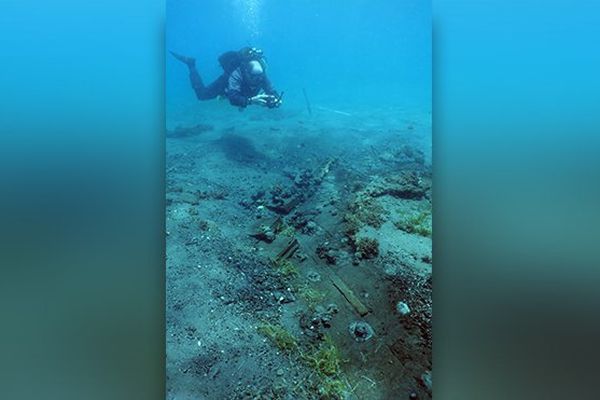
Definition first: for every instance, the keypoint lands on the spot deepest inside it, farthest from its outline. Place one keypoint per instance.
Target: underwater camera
(274, 101)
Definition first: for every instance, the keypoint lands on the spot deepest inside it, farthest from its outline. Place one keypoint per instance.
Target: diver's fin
(189, 61)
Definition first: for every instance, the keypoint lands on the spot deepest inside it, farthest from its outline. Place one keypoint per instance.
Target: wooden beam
(348, 294)
(288, 251)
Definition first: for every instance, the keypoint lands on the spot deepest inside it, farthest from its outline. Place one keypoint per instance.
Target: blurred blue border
(516, 219)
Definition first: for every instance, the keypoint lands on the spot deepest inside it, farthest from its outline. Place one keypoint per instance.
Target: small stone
(402, 308)
(280, 372)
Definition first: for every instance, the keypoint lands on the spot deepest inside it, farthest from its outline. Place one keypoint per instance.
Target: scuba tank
(232, 60)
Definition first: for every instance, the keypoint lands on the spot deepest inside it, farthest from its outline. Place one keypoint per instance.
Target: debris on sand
(367, 248)
(216, 194)
(406, 185)
(414, 288)
(279, 336)
(326, 362)
(364, 210)
(361, 331)
(286, 268)
(325, 252)
(310, 228)
(268, 231)
(311, 296)
(314, 324)
(265, 233)
(412, 153)
(416, 223)
(404, 157)
(302, 221)
(283, 198)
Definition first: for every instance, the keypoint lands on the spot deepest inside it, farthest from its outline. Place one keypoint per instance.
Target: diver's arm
(236, 99)
(273, 98)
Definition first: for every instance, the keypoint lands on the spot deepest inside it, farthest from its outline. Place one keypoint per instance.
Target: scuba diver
(244, 80)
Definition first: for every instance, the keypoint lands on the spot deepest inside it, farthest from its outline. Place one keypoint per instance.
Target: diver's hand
(260, 99)
(274, 101)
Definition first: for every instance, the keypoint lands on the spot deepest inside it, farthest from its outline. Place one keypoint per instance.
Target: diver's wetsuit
(240, 88)
(211, 91)
(237, 86)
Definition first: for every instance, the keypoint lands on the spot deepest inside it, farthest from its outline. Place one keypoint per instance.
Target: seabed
(298, 254)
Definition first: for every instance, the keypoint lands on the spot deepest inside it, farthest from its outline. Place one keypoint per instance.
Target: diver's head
(255, 68)
(254, 72)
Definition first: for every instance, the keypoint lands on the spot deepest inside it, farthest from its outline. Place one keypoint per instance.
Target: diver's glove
(265, 100)
(259, 100)
(275, 101)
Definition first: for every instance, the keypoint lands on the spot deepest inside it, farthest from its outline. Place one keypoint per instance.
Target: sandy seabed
(353, 194)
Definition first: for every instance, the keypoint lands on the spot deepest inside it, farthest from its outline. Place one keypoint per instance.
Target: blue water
(346, 54)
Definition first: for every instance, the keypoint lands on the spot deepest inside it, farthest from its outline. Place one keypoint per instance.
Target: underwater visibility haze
(299, 260)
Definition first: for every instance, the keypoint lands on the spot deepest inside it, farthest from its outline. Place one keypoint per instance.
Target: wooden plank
(288, 251)
(349, 295)
(325, 170)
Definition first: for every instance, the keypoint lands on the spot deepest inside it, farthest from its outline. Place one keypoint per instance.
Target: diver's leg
(202, 92)
(211, 91)
(197, 84)
(216, 88)
(186, 60)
